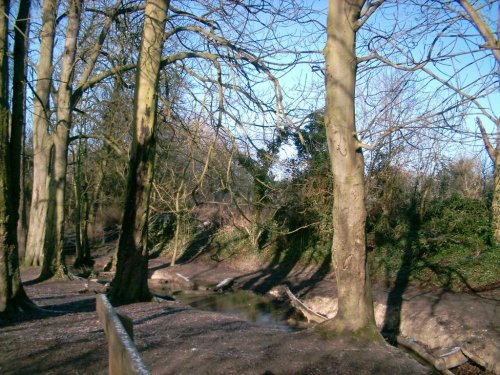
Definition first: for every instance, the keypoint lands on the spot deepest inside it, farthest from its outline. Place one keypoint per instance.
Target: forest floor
(174, 338)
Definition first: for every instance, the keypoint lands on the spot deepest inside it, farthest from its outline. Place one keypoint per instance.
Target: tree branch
(492, 153)
(483, 28)
(366, 12)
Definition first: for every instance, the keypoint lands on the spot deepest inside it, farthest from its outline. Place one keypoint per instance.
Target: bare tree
(19, 111)
(130, 282)
(355, 313)
(42, 142)
(51, 141)
(12, 296)
(451, 49)
(478, 20)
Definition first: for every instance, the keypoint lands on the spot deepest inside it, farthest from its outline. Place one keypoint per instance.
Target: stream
(242, 304)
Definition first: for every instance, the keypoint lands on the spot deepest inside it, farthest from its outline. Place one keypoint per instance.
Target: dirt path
(176, 339)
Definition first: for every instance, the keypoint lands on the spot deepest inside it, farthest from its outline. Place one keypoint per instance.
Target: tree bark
(81, 210)
(12, 295)
(18, 116)
(42, 142)
(130, 282)
(355, 315)
(495, 202)
(54, 260)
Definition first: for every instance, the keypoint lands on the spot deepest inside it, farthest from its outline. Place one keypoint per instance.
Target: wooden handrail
(124, 359)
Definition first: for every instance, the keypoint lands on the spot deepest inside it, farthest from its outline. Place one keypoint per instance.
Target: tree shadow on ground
(199, 245)
(50, 311)
(392, 319)
(289, 252)
(324, 270)
(413, 262)
(391, 328)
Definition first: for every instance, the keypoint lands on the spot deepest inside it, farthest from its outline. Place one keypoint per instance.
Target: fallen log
(310, 315)
(224, 284)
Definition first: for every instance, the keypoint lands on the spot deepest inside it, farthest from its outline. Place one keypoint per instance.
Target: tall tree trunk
(18, 116)
(77, 217)
(82, 210)
(12, 295)
(178, 222)
(355, 313)
(130, 282)
(42, 142)
(54, 260)
(495, 202)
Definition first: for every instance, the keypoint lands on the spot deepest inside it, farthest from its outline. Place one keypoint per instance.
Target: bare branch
(492, 153)
(483, 28)
(366, 12)
(375, 56)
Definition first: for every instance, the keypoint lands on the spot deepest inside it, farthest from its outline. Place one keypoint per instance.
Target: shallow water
(242, 304)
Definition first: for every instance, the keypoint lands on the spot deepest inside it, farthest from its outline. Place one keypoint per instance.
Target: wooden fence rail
(124, 359)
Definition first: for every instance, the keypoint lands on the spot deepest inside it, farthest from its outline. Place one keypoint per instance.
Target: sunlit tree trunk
(42, 142)
(495, 204)
(53, 260)
(12, 295)
(355, 313)
(130, 282)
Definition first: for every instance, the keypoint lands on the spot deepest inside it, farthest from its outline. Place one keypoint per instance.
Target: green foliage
(449, 247)
(311, 144)
(455, 221)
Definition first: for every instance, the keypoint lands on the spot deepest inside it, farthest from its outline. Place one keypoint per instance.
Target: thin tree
(130, 282)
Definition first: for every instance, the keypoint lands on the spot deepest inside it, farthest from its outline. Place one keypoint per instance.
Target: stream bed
(242, 304)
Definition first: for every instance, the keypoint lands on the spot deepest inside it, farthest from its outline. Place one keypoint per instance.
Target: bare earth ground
(176, 339)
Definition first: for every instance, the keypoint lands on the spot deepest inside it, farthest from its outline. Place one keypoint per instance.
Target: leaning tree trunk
(12, 295)
(42, 143)
(355, 313)
(130, 282)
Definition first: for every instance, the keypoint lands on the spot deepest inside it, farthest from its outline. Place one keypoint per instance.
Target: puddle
(242, 304)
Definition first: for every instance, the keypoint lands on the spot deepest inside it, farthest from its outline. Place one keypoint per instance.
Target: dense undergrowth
(449, 247)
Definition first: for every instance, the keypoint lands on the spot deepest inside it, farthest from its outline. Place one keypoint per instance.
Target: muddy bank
(439, 321)
(174, 338)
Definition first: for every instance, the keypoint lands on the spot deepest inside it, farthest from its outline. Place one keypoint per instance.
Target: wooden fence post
(124, 359)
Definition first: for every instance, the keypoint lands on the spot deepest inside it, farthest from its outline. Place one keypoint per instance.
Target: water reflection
(242, 304)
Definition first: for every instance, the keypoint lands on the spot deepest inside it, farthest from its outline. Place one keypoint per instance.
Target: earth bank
(176, 339)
